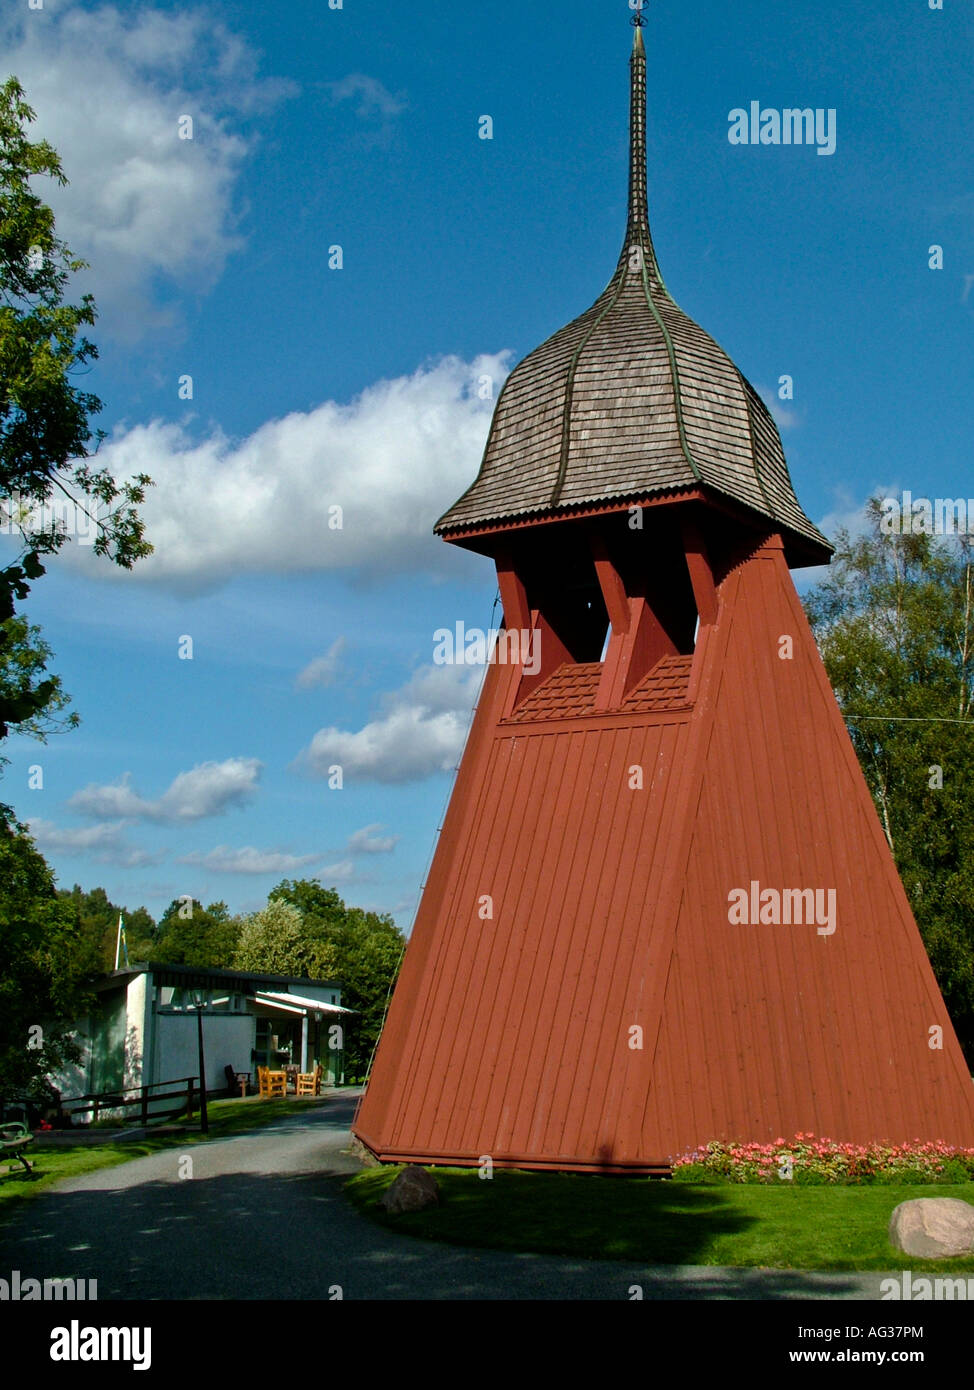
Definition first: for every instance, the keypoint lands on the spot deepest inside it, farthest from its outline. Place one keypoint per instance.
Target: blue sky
(358, 387)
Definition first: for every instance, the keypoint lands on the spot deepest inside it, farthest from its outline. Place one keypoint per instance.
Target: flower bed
(807, 1159)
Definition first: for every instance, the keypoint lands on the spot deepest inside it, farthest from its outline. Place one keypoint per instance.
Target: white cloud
(109, 87)
(404, 746)
(365, 841)
(439, 689)
(104, 843)
(323, 670)
(224, 860)
(420, 731)
(370, 96)
(849, 514)
(206, 790)
(393, 460)
(341, 872)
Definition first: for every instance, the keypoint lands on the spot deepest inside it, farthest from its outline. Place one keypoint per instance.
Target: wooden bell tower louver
(662, 909)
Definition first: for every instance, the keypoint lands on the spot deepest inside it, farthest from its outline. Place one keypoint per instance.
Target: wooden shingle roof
(630, 401)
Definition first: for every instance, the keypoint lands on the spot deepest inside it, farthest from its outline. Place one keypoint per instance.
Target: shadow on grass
(565, 1214)
(9, 1181)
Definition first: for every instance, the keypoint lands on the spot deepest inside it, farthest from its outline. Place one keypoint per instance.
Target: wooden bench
(14, 1138)
(236, 1080)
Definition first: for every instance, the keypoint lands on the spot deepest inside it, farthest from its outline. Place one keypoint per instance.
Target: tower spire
(638, 210)
(637, 227)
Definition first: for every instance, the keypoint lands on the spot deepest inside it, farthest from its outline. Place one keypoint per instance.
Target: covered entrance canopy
(289, 1028)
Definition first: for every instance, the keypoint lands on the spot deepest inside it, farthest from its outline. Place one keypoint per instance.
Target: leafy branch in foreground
(45, 428)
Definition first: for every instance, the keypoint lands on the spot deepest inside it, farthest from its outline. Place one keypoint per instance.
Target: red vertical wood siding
(509, 1037)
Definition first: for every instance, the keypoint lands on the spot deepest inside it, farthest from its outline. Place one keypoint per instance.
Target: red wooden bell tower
(662, 909)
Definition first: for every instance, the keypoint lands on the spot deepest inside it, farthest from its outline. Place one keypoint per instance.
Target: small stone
(933, 1228)
(413, 1190)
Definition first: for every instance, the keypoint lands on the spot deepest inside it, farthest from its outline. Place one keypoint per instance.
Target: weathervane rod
(639, 19)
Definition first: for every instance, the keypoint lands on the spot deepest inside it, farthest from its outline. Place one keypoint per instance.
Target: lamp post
(199, 999)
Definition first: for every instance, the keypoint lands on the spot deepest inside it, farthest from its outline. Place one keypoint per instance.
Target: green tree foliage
(322, 908)
(369, 952)
(23, 673)
(44, 417)
(98, 919)
(191, 934)
(894, 620)
(45, 961)
(366, 951)
(275, 940)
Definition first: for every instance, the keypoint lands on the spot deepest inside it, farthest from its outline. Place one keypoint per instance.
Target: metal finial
(638, 20)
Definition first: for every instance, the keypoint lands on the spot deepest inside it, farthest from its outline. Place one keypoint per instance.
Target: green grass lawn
(663, 1222)
(225, 1117)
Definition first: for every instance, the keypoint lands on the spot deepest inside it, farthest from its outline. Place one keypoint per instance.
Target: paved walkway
(263, 1217)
